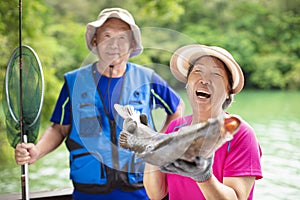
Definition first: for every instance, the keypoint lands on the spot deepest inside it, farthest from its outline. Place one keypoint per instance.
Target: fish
(188, 143)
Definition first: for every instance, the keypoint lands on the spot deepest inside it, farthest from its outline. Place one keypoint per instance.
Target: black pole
(20, 69)
(24, 168)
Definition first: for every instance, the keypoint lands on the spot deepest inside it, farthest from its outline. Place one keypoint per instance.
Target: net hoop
(7, 78)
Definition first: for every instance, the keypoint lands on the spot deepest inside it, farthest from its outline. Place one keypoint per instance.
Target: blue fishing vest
(96, 160)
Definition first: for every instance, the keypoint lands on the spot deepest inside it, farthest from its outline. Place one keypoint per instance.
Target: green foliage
(161, 12)
(70, 49)
(255, 32)
(292, 77)
(4, 145)
(250, 30)
(52, 89)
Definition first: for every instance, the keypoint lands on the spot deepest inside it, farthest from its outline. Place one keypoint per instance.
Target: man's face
(207, 86)
(114, 42)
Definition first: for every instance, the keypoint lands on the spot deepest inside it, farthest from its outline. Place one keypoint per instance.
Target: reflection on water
(281, 160)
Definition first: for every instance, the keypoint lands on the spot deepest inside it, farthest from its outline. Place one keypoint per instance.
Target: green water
(275, 117)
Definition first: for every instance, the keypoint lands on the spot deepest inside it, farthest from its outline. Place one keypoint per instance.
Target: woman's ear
(228, 101)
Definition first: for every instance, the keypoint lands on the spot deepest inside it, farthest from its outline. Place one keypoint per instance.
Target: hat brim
(92, 27)
(181, 59)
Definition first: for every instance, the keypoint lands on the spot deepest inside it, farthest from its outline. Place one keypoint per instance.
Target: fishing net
(24, 93)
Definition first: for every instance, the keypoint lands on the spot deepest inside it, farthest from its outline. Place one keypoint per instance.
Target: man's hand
(26, 153)
(200, 170)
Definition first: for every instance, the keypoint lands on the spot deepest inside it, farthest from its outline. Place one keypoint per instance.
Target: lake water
(275, 117)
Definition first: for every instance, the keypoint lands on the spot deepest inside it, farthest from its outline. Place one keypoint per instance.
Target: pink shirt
(239, 157)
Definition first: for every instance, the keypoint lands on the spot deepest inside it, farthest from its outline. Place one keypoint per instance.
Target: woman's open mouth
(203, 94)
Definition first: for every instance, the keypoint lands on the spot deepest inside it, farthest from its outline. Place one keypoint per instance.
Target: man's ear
(132, 46)
(94, 41)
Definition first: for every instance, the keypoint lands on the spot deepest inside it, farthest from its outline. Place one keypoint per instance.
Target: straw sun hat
(121, 14)
(182, 58)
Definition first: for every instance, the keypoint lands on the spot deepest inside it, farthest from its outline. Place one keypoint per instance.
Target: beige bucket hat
(181, 59)
(121, 14)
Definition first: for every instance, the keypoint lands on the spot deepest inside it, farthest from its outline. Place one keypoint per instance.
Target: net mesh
(32, 95)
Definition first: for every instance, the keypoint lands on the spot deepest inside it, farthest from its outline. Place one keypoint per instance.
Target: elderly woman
(212, 77)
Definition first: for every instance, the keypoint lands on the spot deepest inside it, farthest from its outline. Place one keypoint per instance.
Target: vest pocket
(88, 169)
(89, 125)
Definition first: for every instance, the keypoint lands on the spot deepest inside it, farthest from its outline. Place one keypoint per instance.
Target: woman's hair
(229, 76)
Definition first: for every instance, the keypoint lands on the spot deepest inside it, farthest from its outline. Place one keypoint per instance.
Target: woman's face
(207, 86)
